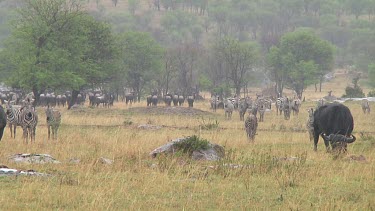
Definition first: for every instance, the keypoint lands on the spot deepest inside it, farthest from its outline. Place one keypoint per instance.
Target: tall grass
(278, 171)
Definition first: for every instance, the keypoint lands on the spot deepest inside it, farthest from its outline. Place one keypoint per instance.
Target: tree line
(58, 45)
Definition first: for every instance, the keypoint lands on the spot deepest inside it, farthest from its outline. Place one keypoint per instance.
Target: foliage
(353, 92)
(371, 93)
(141, 58)
(54, 44)
(301, 59)
(191, 144)
(239, 59)
(209, 125)
(371, 74)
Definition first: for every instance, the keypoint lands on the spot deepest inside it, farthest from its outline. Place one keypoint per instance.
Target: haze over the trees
(220, 46)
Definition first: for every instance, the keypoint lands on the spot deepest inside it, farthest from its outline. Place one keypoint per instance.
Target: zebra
(228, 108)
(261, 109)
(53, 118)
(296, 103)
(181, 100)
(365, 106)
(310, 123)
(168, 99)
(28, 121)
(214, 102)
(13, 115)
(251, 125)
(279, 105)
(244, 104)
(175, 100)
(286, 109)
(190, 100)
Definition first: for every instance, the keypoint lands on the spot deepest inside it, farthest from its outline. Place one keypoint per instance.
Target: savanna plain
(260, 175)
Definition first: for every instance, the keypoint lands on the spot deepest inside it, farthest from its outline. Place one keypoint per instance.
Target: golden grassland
(316, 180)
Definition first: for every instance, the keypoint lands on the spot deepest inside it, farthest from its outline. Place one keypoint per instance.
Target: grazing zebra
(13, 116)
(181, 100)
(228, 108)
(310, 123)
(365, 106)
(175, 100)
(28, 120)
(149, 100)
(53, 121)
(190, 100)
(154, 100)
(296, 104)
(286, 109)
(3, 121)
(251, 125)
(168, 99)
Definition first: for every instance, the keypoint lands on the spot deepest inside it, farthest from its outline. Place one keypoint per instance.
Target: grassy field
(315, 180)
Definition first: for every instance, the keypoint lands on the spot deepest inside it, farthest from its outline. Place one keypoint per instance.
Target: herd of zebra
(284, 105)
(177, 100)
(26, 117)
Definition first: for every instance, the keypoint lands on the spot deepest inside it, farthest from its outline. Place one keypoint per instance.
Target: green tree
(371, 74)
(302, 58)
(133, 6)
(142, 59)
(56, 45)
(240, 58)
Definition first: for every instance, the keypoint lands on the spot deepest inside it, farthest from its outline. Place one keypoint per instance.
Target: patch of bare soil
(169, 111)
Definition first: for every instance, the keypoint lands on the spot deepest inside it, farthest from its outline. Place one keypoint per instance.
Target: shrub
(191, 144)
(371, 93)
(351, 92)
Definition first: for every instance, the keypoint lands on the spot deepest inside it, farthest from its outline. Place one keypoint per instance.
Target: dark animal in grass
(334, 123)
(3, 121)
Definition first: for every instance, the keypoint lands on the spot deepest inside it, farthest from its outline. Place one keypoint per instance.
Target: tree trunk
(36, 95)
(316, 88)
(73, 100)
(320, 84)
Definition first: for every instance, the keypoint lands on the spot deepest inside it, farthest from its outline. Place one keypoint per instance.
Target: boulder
(14, 172)
(106, 161)
(212, 153)
(33, 158)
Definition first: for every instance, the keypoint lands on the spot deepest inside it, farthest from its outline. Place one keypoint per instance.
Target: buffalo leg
(316, 139)
(326, 142)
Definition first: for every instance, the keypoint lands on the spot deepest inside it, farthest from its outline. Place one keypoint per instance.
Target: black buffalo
(3, 121)
(334, 122)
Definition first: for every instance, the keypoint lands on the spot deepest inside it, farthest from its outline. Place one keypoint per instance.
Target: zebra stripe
(310, 123)
(229, 107)
(251, 125)
(365, 106)
(13, 118)
(53, 122)
(28, 121)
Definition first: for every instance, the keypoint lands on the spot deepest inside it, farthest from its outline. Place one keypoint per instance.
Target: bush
(191, 144)
(371, 93)
(351, 92)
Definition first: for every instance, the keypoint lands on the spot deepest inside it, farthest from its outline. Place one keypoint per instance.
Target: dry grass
(316, 180)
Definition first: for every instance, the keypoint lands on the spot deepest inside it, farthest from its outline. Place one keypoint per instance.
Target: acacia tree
(301, 59)
(54, 44)
(239, 59)
(141, 58)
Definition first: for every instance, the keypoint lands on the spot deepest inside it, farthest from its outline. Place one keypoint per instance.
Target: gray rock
(106, 161)
(214, 151)
(33, 158)
(74, 160)
(15, 172)
(149, 127)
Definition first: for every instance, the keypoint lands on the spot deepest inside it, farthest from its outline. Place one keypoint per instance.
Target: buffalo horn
(350, 139)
